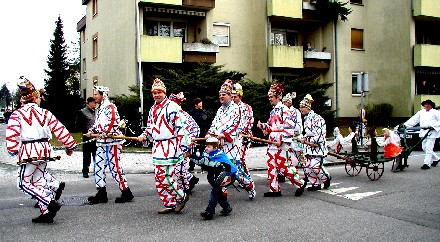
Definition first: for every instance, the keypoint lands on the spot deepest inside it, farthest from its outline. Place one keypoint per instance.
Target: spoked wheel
(352, 168)
(375, 170)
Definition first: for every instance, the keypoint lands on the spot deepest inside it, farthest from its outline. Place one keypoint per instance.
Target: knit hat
(177, 98)
(276, 89)
(101, 89)
(158, 85)
(227, 87)
(27, 89)
(287, 98)
(307, 102)
(238, 89)
(212, 141)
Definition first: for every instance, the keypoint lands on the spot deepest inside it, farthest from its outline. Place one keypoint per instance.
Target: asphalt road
(402, 206)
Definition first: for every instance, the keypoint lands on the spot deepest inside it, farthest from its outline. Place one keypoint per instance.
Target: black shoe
(126, 196)
(425, 167)
(191, 169)
(314, 188)
(207, 215)
(43, 218)
(192, 183)
(85, 175)
(299, 191)
(272, 194)
(36, 205)
(60, 190)
(327, 182)
(226, 211)
(53, 208)
(434, 163)
(281, 178)
(100, 197)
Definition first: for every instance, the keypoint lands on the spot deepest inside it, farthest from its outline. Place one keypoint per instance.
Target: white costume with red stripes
(28, 133)
(281, 128)
(108, 150)
(168, 129)
(246, 123)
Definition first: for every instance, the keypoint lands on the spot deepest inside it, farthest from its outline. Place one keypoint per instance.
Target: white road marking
(358, 196)
(338, 190)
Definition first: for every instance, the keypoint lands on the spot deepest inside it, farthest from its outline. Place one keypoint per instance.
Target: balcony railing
(161, 49)
(199, 52)
(317, 60)
(285, 8)
(286, 56)
(198, 4)
(427, 8)
(427, 55)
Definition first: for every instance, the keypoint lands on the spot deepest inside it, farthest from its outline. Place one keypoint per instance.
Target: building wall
(115, 66)
(387, 56)
(248, 49)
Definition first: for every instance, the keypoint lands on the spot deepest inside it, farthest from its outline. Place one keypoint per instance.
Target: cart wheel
(375, 170)
(352, 168)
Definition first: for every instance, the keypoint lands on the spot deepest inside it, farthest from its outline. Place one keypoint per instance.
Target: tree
(204, 81)
(59, 92)
(5, 96)
(328, 10)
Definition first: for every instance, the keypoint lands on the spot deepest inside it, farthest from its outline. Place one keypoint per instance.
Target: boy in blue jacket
(221, 173)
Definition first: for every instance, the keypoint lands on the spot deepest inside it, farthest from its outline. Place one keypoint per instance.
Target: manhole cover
(74, 201)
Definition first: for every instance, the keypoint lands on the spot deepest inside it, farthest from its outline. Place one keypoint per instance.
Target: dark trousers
(217, 197)
(89, 152)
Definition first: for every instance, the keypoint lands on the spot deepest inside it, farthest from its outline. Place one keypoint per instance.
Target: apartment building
(397, 42)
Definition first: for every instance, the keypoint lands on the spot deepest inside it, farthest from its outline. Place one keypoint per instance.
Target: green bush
(379, 114)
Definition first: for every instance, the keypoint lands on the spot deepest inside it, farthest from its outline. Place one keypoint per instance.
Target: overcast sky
(27, 27)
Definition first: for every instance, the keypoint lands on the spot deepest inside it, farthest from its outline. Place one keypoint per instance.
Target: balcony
(426, 8)
(161, 49)
(285, 8)
(167, 2)
(317, 60)
(196, 4)
(426, 55)
(286, 56)
(199, 52)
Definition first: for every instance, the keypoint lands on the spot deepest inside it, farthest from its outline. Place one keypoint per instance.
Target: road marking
(357, 196)
(338, 190)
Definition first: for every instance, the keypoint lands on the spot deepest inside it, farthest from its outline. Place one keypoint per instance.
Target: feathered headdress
(177, 98)
(227, 87)
(307, 102)
(27, 89)
(158, 85)
(276, 89)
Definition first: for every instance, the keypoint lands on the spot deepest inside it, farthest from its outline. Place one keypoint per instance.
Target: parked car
(412, 137)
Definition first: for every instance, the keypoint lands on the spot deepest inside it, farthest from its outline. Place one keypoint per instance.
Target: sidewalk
(140, 162)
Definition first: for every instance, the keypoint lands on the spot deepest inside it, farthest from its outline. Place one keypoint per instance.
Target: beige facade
(395, 41)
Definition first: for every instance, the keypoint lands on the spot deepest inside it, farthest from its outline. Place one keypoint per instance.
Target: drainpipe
(336, 69)
(139, 63)
(268, 46)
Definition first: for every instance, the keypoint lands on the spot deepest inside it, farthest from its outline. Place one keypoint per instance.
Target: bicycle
(131, 131)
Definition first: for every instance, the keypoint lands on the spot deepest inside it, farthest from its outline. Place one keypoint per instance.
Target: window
(220, 34)
(354, 82)
(356, 2)
(357, 39)
(83, 36)
(94, 8)
(95, 46)
(167, 29)
(284, 37)
(84, 65)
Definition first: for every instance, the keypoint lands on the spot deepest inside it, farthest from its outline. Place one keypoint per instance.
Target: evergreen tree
(56, 97)
(5, 96)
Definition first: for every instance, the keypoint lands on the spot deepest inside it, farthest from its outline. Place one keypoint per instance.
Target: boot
(181, 205)
(272, 194)
(60, 190)
(207, 215)
(192, 182)
(43, 218)
(327, 182)
(126, 196)
(226, 211)
(300, 190)
(100, 197)
(53, 208)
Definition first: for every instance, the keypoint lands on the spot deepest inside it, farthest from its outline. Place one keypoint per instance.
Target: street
(401, 206)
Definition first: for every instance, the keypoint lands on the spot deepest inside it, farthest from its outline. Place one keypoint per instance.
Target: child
(341, 143)
(221, 173)
(391, 144)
